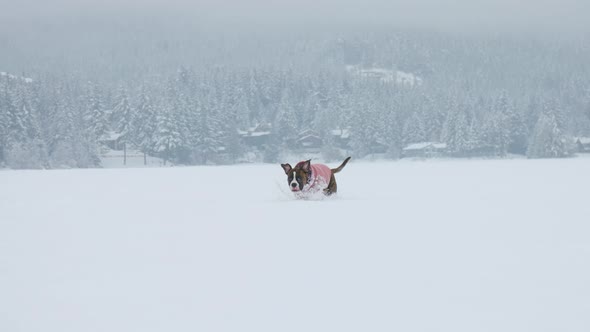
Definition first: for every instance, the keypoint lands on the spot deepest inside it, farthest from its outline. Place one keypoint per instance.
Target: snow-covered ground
(452, 246)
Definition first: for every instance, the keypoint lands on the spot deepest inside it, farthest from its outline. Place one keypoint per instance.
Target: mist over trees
(190, 97)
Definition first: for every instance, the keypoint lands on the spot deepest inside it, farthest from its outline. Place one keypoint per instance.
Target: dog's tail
(339, 168)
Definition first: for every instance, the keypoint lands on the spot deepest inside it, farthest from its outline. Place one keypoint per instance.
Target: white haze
(495, 15)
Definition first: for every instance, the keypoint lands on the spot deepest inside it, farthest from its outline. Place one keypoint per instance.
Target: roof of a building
(424, 145)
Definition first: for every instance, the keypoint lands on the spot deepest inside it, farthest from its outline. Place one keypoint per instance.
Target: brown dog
(307, 178)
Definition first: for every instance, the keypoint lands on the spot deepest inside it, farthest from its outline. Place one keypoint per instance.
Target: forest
(192, 98)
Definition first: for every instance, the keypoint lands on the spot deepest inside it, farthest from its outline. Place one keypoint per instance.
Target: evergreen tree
(4, 120)
(433, 116)
(17, 112)
(393, 131)
(414, 130)
(209, 128)
(456, 132)
(548, 140)
(167, 136)
(123, 114)
(494, 134)
(96, 115)
(144, 125)
(364, 132)
(518, 133)
(61, 139)
(510, 127)
(243, 112)
(286, 122)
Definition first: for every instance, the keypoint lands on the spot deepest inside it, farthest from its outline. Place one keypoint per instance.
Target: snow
(386, 75)
(468, 245)
(111, 136)
(10, 76)
(260, 133)
(343, 133)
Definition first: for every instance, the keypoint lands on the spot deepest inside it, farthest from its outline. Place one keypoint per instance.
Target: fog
(495, 15)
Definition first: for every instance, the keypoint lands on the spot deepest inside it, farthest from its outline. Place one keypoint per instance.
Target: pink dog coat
(320, 177)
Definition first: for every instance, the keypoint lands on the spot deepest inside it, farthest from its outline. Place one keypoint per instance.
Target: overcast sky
(570, 15)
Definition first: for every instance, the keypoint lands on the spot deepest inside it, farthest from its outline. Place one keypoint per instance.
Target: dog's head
(298, 176)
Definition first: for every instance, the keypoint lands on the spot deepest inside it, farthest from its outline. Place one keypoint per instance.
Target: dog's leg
(332, 187)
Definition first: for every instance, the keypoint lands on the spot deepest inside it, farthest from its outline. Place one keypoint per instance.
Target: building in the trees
(583, 144)
(425, 150)
(111, 140)
(309, 140)
(256, 136)
(341, 138)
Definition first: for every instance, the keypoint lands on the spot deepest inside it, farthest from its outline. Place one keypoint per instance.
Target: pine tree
(16, 112)
(254, 99)
(518, 133)
(392, 131)
(243, 112)
(433, 116)
(494, 134)
(548, 139)
(194, 136)
(61, 139)
(510, 127)
(144, 125)
(209, 129)
(123, 114)
(365, 130)
(167, 136)
(456, 130)
(329, 150)
(414, 130)
(286, 122)
(96, 116)
(4, 119)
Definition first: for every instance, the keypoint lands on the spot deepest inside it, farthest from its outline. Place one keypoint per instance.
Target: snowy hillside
(386, 75)
(457, 246)
(4, 74)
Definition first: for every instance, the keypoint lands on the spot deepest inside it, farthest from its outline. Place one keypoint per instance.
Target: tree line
(478, 104)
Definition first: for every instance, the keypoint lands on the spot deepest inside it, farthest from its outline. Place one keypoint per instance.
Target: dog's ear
(286, 167)
(306, 166)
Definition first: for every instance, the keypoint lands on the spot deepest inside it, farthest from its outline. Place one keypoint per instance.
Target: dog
(306, 178)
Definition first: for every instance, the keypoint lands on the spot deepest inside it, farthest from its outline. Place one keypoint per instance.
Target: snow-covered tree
(123, 115)
(96, 116)
(209, 128)
(144, 125)
(286, 122)
(548, 139)
(414, 130)
(167, 136)
(456, 130)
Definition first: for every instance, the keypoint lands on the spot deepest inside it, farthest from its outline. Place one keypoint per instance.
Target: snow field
(468, 245)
